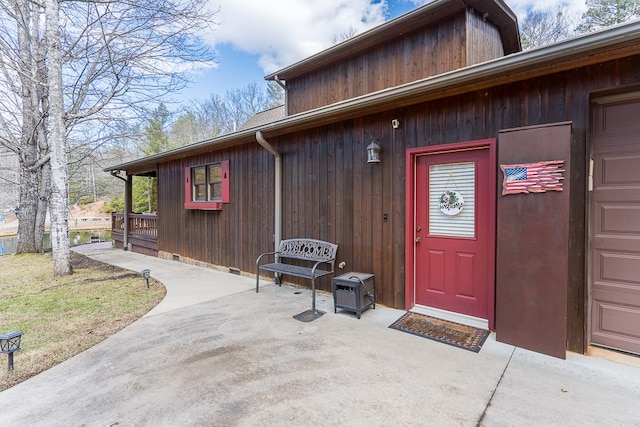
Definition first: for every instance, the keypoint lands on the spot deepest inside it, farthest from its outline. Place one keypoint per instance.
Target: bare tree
(244, 103)
(216, 115)
(86, 160)
(543, 27)
(22, 115)
(351, 32)
(605, 13)
(275, 93)
(116, 59)
(213, 118)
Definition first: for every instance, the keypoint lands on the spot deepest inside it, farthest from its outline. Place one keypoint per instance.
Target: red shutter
(187, 188)
(225, 181)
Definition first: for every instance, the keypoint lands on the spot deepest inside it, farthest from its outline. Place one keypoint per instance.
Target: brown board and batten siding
(483, 40)
(227, 237)
(453, 43)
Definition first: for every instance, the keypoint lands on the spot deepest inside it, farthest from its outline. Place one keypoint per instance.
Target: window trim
(189, 203)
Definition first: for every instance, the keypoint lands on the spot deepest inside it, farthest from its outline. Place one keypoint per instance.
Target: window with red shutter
(206, 187)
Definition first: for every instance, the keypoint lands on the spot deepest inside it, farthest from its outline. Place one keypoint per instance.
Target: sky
(254, 38)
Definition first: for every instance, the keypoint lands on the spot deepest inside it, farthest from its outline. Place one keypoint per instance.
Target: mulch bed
(79, 261)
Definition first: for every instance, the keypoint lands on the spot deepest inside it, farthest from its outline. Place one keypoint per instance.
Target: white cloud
(520, 7)
(283, 32)
(287, 31)
(572, 7)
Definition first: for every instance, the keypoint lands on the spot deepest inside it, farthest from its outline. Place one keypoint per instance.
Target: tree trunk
(43, 204)
(26, 242)
(93, 185)
(59, 205)
(45, 170)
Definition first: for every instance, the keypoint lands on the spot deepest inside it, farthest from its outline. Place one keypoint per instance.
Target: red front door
(453, 230)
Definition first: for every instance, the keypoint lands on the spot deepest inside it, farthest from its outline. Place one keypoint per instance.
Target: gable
(439, 37)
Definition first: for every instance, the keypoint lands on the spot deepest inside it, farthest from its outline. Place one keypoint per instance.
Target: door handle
(418, 239)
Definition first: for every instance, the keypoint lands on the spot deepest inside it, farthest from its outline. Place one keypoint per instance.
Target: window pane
(199, 192)
(215, 173)
(216, 191)
(452, 194)
(199, 175)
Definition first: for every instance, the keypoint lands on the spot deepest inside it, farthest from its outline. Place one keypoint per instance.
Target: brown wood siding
(483, 40)
(227, 237)
(416, 55)
(331, 193)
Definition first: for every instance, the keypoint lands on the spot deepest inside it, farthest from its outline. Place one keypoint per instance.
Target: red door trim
(411, 156)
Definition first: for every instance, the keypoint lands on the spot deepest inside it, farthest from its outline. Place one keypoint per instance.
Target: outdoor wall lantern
(9, 343)
(373, 152)
(146, 273)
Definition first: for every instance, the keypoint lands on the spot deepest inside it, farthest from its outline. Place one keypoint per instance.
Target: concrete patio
(216, 353)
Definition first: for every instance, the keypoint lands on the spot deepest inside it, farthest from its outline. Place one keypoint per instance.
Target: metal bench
(313, 251)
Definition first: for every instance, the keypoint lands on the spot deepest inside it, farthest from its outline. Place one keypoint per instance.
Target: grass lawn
(61, 317)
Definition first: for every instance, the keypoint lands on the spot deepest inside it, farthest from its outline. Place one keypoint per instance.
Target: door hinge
(590, 174)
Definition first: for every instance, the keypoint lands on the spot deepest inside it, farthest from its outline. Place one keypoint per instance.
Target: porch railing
(140, 225)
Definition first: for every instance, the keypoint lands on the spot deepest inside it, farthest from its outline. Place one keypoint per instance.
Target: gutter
(277, 234)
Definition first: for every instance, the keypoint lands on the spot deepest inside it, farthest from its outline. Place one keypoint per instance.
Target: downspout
(278, 188)
(125, 219)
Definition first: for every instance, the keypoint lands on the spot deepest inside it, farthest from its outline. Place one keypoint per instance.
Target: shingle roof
(264, 117)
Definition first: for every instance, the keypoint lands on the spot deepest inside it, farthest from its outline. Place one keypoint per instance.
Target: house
(506, 195)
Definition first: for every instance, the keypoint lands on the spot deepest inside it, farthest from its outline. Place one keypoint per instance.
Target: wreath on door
(451, 201)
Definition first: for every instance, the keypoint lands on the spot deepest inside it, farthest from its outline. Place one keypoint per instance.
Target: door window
(452, 199)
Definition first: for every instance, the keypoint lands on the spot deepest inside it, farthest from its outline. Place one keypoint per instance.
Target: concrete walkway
(216, 353)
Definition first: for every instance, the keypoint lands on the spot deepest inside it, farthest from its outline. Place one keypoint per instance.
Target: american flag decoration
(532, 177)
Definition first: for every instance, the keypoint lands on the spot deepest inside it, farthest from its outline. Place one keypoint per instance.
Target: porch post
(128, 207)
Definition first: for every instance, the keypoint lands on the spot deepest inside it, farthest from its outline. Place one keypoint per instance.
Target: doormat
(309, 315)
(451, 333)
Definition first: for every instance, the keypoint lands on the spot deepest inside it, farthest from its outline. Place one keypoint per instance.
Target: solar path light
(146, 273)
(9, 343)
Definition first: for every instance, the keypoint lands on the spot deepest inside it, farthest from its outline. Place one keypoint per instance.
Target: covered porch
(134, 231)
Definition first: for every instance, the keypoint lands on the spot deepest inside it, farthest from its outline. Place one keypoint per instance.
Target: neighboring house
(455, 107)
